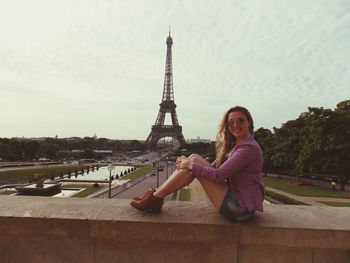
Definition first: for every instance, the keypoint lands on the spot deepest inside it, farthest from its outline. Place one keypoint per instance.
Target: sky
(76, 68)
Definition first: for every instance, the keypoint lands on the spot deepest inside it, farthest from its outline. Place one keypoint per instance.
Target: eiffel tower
(159, 130)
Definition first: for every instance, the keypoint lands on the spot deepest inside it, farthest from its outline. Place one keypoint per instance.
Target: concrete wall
(41, 229)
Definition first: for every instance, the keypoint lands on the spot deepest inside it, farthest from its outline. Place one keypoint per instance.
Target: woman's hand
(178, 161)
(186, 164)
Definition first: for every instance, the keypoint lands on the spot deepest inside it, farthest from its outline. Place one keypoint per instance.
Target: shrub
(303, 182)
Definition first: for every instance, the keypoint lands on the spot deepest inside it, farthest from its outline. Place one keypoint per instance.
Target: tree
(88, 154)
(265, 137)
(49, 150)
(116, 146)
(340, 142)
(10, 149)
(30, 149)
(135, 145)
(326, 146)
(285, 146)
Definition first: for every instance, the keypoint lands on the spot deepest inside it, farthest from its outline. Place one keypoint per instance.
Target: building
(198, 139)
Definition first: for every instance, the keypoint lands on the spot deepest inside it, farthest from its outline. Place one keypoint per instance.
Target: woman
(233, 182)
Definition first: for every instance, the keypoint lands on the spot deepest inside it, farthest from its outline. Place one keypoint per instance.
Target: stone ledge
(102, 230)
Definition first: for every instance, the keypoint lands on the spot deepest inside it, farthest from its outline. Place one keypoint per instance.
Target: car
(153, 174)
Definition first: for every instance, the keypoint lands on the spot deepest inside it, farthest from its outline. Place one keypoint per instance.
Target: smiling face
(238, 125)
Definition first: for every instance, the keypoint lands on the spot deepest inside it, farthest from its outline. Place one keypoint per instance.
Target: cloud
(105, 60)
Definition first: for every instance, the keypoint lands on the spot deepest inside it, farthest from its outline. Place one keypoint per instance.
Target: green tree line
(21, 149)
(317, 142)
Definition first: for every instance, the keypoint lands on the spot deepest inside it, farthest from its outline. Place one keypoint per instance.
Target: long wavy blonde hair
(225, 141)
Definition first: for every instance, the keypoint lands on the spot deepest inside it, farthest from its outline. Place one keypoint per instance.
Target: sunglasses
(239, 121)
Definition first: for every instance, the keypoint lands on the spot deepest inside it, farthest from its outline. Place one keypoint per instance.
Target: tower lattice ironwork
(159, 129)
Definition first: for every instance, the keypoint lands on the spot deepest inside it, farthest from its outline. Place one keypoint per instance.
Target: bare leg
(215, 191)
(179, 178)
(176, 181)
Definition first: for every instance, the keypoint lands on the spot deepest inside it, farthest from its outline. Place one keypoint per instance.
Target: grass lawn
(284, 199)
(139, 172)
(184, 195)
(318, 191)
(339, 204)
(89, 189)
(8, 192)
(47, 171)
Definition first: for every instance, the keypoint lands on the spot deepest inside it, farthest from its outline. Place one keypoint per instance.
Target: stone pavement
(302, 199)
(197, 193)
(95, 230)
(310, 200)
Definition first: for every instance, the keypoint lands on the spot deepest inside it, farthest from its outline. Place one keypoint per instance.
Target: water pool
(102, 174)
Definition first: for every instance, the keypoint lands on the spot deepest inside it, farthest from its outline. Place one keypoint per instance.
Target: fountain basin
(46, 190)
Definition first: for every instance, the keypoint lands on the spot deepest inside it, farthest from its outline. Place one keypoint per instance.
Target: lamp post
(166, 175)
(158, 170)
(110, 168)
(333, 185)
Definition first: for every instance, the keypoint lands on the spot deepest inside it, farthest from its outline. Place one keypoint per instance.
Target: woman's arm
(244, 155)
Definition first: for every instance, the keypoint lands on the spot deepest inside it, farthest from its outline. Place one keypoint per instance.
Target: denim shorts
(231, 209)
